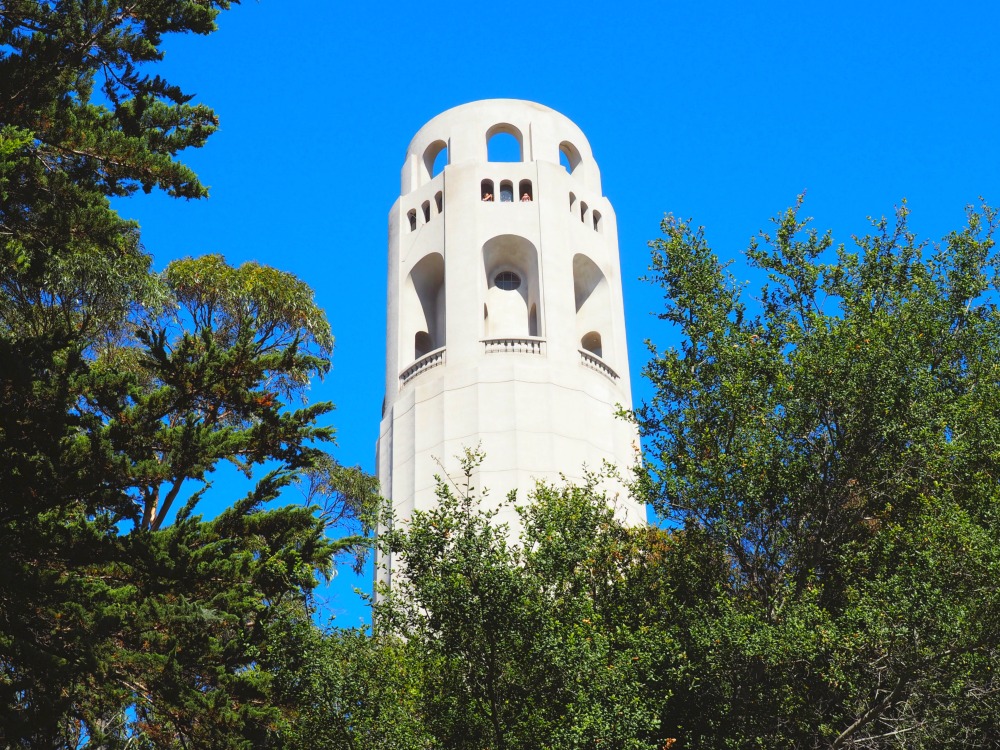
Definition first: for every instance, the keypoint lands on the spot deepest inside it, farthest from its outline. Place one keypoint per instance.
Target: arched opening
(597, 221)
(525, 192)
(422, 344)
(486, 190)
(439, 201)
(411, 216)
(426, 206)
(506, 191)
(423, 307)
(435, 160)
(572, 202)
(440, 162)
(593, 305)
(583, 211)
(569, 157)
(591, 341)
(504, 143)
(510, 267)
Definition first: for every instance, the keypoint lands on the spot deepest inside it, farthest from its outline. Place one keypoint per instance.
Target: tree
(523, 646)
(125, 618)
(350, 689)
(838, 451)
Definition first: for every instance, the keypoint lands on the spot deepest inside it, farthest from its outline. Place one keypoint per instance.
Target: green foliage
(125, 622)
(838, 449)
(351, 690)
(522, 646)
(81, 119)
(828, 470)
(828, 466)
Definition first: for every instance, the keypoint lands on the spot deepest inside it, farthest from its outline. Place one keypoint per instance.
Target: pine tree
(125, 616)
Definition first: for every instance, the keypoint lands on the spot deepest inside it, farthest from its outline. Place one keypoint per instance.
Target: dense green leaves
(523, 646)
(81, 119)
(126, 619)
(347, 689)
(840, 449)
(826, 460)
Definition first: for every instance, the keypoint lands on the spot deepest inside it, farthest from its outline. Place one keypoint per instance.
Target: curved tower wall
(534, 374)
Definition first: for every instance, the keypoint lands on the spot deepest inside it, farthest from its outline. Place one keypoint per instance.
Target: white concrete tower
(505, 319)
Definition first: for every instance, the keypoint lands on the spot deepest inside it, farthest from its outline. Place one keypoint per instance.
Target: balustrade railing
(505, 345)
(591, 360)
(426, 362)
(515, 345)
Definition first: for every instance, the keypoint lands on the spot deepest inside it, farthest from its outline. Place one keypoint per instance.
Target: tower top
(465, 131)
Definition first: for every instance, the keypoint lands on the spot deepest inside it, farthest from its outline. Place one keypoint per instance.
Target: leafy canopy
(126, 619)
(826, 460)
(839, 450)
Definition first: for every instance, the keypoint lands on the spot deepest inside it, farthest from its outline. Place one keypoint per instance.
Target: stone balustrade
(515, 345)
(591, 360)
(426, 362)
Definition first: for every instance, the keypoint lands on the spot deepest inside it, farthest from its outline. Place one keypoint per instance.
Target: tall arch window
(524, 191)
(440, 162)
(504, 143)
(506, 191)
(426, 207)
(422, 308)
(583, 211)
(591, 341)
(439, 201)
(510, 267)
(593, 306)
(411, 216)
(422, 344)
(486, 190)
(597, 221)
(435, 160)
(569, 156)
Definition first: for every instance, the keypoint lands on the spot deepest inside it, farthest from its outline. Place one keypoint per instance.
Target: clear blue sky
(723, 112)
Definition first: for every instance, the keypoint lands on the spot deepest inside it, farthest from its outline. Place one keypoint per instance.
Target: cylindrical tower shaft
(505, 318)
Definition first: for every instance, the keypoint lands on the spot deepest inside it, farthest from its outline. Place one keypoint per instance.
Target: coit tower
(505, 323)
